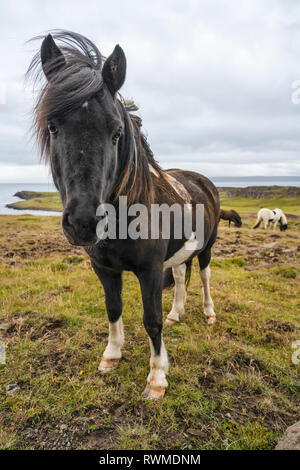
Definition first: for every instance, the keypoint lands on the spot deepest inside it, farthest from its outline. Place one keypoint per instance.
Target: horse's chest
(115, 256)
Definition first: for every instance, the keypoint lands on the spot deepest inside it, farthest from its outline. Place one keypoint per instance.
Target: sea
(7, 190)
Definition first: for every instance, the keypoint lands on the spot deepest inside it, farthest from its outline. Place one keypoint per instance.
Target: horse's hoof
(170, 321)
(108, 364)
(211, 320)
(154, 393)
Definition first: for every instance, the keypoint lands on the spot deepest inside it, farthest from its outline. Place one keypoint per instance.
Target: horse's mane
(79, 79)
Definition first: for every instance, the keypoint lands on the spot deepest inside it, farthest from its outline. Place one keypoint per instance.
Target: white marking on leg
(179, 294)
(112, 353)
(85, 104)
(115, 340)
(159, 365)
(207, 300)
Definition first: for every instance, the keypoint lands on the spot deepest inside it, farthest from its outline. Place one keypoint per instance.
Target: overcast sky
(213, 79)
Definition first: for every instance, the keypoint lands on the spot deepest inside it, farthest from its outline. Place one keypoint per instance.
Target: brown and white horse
(97, 153)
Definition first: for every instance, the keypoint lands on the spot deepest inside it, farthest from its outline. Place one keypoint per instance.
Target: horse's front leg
(151, 287)
(112, 284)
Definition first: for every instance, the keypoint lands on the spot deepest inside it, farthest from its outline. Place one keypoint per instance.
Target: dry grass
(231, 386)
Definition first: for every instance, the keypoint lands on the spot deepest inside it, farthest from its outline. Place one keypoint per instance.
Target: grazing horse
(231, 216)
(268, 216)
(97, 153)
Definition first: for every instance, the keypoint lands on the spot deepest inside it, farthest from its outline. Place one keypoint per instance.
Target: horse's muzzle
(80, 227)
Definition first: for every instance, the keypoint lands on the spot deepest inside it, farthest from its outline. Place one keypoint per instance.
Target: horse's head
(236, 219)
(80, 123)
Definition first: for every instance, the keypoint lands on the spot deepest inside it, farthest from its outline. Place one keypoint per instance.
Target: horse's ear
(114, 70)
(51, 56)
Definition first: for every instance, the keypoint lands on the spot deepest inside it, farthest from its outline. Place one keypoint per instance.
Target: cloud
(213, 79)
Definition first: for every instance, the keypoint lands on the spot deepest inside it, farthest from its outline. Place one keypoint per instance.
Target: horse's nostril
(67, 220)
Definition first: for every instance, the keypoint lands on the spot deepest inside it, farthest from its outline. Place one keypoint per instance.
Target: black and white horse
(98, 153)
(269, 217)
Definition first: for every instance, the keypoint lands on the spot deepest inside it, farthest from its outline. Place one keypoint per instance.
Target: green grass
(287, 204)
(232, 386)
(45, 202)
(51, 201)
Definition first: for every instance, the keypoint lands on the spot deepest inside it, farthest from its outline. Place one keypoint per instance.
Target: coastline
(249, 199)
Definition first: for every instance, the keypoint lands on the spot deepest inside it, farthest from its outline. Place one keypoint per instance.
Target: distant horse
(268, 216)
(231, 216)
(98, 153)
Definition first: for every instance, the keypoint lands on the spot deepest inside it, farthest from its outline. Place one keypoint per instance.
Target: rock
(228, 415)
(29, 432)
(195, 432)
(290, 439)
(230, 376)
(252, 248)
(12, 389)
(271, 246)
(288, 252)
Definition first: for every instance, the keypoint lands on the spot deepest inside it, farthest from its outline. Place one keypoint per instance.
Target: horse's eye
(52, 129)
(117, 135)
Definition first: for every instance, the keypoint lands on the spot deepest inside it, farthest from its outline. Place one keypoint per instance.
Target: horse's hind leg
(112, 284)
(179, 294)
(208, 305)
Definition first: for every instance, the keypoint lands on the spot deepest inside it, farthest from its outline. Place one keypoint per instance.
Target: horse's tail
(169, 279)
(258, 221)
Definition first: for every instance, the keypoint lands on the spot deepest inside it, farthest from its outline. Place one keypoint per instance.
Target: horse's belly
(183, 254)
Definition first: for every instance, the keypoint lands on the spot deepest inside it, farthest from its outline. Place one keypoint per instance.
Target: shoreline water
(7, 190)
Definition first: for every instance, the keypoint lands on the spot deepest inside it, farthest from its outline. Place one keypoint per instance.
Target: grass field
(43, 201)
(291, 204)
(231, 386)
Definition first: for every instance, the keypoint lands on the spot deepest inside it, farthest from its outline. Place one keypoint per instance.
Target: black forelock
(78, 80)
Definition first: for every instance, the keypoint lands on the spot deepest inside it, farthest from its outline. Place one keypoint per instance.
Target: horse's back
(201, 191)
(199, 187)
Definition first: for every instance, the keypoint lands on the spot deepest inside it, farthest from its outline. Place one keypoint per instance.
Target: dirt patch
(37, 246)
